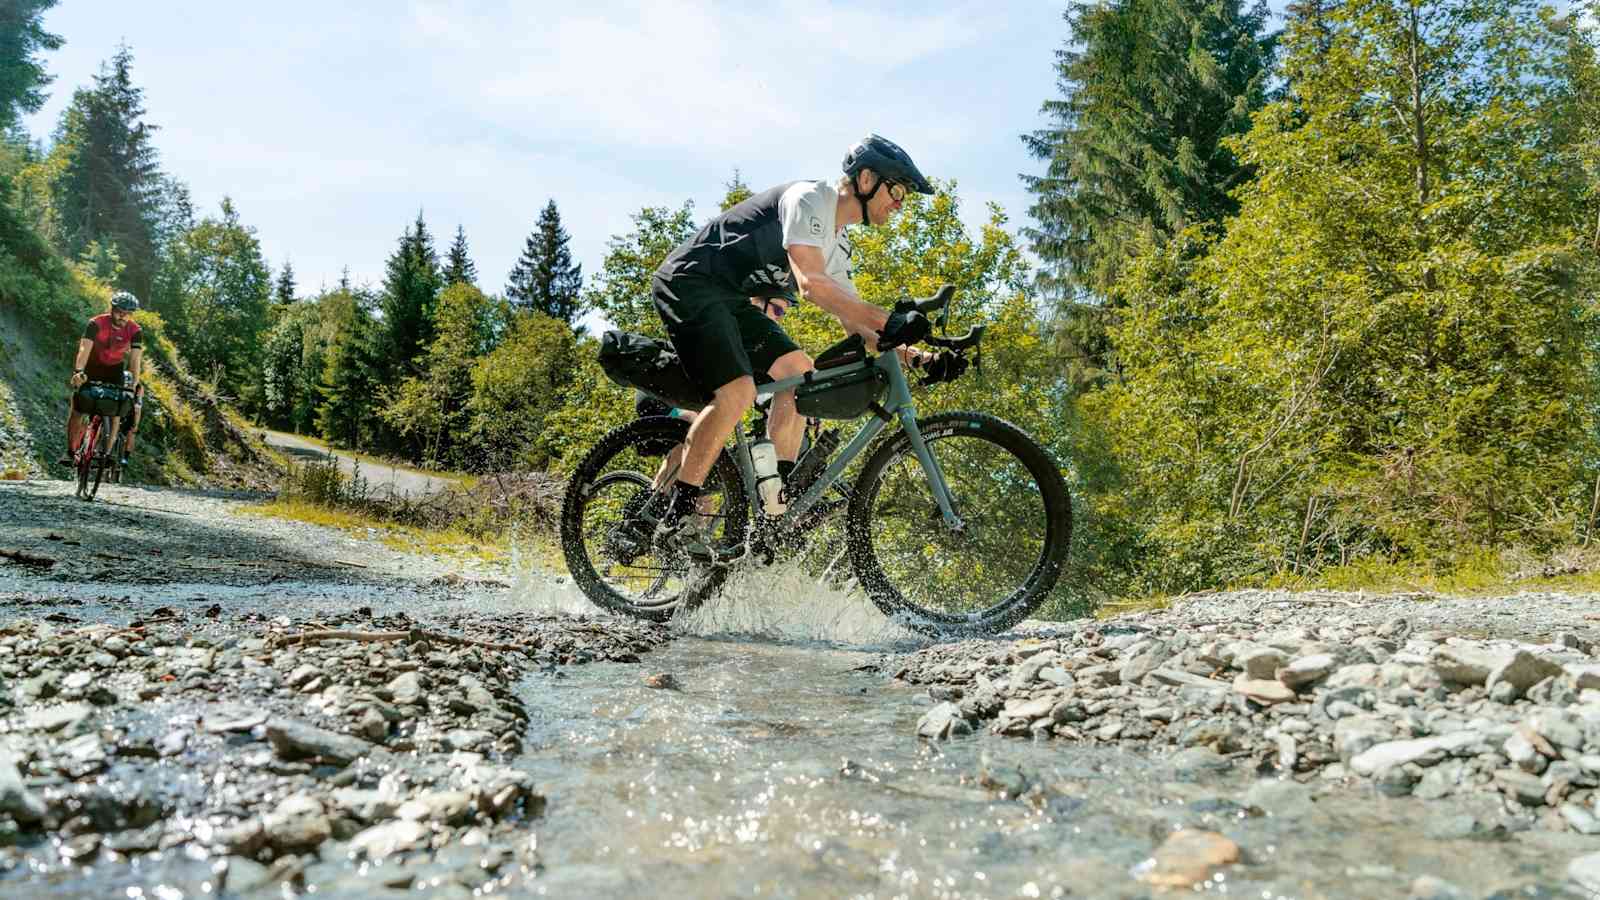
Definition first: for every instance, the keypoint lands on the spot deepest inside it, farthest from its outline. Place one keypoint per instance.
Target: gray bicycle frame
(898, 405)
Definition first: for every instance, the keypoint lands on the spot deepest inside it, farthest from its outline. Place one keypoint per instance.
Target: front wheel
(84, 459)
(1011, 548)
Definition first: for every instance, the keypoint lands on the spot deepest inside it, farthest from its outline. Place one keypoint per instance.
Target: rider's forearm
(857, 315)
(83, 356)
(135, 365)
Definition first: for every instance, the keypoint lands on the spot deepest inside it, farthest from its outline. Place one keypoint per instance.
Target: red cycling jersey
(111, 343)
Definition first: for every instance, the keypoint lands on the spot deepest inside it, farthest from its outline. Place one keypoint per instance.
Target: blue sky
(331, 123)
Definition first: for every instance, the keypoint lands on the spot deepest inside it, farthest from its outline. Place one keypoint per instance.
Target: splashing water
(786, 602)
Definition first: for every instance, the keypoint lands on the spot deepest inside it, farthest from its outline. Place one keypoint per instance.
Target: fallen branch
(413, 635)
(27, 559)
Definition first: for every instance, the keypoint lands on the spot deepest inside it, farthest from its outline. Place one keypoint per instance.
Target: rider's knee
(739, 393)
(791, 364)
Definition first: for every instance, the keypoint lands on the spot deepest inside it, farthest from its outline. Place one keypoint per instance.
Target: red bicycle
(95, 455)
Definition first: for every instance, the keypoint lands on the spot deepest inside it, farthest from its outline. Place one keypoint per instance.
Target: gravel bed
(284, 761)
(1413, 698)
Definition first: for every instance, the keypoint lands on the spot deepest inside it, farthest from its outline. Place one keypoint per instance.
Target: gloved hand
(945, 366)
(904, 329)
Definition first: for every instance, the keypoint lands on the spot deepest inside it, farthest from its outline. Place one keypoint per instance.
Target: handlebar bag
(846, 397)
(103, 400)
(636, 361)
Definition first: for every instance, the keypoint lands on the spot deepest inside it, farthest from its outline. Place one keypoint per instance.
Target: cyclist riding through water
(784, 241)
(111, 345)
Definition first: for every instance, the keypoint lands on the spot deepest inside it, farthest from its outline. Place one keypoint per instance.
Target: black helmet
(885, 157)
(124, 301)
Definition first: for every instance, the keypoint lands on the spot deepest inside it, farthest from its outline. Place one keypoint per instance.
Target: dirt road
(384, 479)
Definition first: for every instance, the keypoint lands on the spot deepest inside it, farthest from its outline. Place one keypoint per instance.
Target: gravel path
(383, 479)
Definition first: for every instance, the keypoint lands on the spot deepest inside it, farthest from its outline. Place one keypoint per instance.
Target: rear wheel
(611, 487)
(1009, 552)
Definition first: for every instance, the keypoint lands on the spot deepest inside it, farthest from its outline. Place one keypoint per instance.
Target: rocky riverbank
(1411, 697)
(268, 751)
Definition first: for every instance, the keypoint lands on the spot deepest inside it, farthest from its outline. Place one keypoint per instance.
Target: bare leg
(668, 468)
(75, 425)
(785, 425)
(712, 427)
(133, 429)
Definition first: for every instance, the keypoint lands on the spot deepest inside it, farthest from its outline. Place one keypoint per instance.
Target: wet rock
(1430, 888)
(372, 725)
(1355, 734)
(294, 740)
(1187, 858)
(16, 800)
(228, 720)
(406, 689)
(1200, 761)
(1585, 873)
(241, 875)
(383, 840)
(943, 722)
(298, 825)
(63, 717)
(662, 681)
(467, 739)
(1279, 798)
(442, 807)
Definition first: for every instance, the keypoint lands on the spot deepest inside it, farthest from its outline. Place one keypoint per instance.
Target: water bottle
(764, 457)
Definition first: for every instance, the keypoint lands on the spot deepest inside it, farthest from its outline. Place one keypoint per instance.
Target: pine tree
(459, 267)
(1135, 145)
(545, 278)
(410, 289)
(285, 287)
(112, 188)
(736, 192)
(22, 76)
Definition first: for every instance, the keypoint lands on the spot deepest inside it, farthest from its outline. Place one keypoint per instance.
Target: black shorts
(719, 334)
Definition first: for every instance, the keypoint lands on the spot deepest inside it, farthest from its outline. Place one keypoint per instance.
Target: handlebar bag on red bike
(103, 400)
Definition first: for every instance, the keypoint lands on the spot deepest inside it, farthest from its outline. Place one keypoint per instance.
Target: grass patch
(406, 538)
(1483, 573)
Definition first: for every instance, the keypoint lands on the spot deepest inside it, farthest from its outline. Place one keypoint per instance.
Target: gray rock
(1526, 789)
(1263, 663)
(406, 689)
(1560, 727)
(1439, 781)
(1306, 670)
(1359, 676)
(1138, 667)
(1186, 679)
(1353, 735)
(372, 725)
(1522, 671)
(1523, 754)
(1422, 751)
(1581, 819)
(1262, 690)
(1465, 666)
(293, 739)
(298, 825)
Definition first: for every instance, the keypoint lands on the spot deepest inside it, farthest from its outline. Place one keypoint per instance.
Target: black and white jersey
(746, 248)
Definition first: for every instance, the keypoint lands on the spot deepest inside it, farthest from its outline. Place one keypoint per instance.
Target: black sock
(685, 497)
